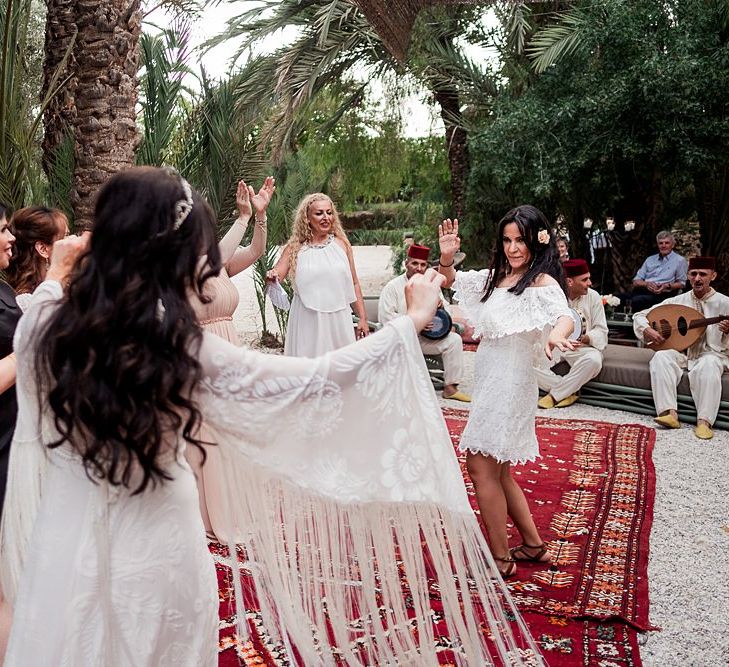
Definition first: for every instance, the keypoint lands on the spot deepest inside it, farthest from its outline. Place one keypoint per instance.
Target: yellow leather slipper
(459, 396)
(669, 421)
(568, 400)
(546, 402)
(704, 432)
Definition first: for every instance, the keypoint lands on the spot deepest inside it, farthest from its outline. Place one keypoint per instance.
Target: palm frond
(164, 62)
(518, 26)
(559, 40)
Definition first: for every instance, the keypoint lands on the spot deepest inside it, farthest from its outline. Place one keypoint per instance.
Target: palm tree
(335, 40)
(99, 100)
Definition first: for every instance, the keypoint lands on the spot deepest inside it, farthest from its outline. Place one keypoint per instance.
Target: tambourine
(579, 325)
(440, 326)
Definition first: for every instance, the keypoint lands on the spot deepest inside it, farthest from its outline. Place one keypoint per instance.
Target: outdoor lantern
(587, 224)
(610, 223)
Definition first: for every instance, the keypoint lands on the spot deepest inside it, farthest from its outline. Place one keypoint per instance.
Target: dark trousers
(641, 298)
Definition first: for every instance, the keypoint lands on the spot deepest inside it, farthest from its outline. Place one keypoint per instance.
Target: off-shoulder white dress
(510, 326)
(338, 477)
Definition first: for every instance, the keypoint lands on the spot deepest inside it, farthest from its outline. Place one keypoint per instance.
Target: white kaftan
(339, 476)
(320, 319)
(586, 361)
(504, 399)
(706, 360)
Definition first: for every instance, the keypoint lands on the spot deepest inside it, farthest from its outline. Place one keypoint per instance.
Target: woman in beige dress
(216, 316)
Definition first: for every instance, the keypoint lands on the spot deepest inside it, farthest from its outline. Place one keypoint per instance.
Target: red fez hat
(575, 267)
(418, 252)
(708, 263)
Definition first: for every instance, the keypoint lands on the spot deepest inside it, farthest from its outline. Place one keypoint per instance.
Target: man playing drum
(706, 360)
(586, 360)
(392, 304)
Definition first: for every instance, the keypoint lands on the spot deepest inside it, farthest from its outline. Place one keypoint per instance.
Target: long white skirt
(116, 580)
(311, 333)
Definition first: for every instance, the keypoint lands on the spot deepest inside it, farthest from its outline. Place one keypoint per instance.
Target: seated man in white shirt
(706, 360)
(586, 360)
(392, 304)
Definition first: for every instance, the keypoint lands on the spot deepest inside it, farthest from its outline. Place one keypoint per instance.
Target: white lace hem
(498, 457)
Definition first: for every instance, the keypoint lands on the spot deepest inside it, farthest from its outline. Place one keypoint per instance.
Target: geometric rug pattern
(591, 494)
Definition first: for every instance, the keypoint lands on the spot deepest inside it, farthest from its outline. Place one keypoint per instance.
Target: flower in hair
(543, 236)
(183, 206)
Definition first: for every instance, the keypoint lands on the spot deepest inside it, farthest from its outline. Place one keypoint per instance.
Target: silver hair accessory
(183, 206)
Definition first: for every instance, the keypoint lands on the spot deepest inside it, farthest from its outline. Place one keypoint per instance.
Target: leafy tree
(625, 121)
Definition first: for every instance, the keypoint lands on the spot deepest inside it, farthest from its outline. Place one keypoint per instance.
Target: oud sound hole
(682, 326)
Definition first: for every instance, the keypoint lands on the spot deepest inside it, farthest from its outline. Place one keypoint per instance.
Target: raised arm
(450, 244)
(244, 257)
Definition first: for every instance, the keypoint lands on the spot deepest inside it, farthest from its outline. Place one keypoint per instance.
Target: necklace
(323, 244)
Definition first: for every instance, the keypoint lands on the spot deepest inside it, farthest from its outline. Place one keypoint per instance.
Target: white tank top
(323, 277)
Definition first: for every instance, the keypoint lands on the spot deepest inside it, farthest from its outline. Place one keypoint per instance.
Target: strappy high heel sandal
(510, 570)
(521, 553)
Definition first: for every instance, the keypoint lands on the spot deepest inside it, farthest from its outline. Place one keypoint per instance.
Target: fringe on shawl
(329, 563)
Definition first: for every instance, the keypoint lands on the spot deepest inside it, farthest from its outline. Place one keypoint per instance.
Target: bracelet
(446, 266)
(261, 221)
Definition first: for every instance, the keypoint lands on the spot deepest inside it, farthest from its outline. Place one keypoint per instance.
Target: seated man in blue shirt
(661, 275)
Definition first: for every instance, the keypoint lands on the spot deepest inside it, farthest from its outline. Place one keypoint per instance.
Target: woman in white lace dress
(338, 473)
(319, 258)
(510, 305)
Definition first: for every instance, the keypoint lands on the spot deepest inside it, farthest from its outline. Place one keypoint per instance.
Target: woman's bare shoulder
(544, 280)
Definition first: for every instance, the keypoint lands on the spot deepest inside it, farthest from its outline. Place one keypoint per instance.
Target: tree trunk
(60, 114)
(100, 99)
(456, 144)
(712, 203)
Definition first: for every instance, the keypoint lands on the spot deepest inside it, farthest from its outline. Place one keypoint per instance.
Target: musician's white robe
(586, 361)
(706, 360)
(392, 304)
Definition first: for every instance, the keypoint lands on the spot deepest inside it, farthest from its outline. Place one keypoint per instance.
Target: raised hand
(262, 198)
(448, 238)
(65, 254)
(243, 200)
(422, 295)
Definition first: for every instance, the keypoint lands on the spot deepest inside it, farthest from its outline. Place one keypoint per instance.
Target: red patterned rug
(591, 495)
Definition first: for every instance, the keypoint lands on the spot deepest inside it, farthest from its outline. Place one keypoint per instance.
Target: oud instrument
(681, 326)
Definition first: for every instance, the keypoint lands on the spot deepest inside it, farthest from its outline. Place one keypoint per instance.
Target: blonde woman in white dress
(326, 288)
(511, 305)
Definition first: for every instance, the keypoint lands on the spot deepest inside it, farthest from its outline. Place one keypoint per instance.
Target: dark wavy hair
(31, 225)
(545, 257)
(118, 356)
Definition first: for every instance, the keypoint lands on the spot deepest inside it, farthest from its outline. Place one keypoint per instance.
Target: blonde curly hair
(301, 229)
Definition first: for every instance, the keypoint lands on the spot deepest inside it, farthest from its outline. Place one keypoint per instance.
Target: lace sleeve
(334, 469)
(547, 304)
(27, 463)
(468, 290)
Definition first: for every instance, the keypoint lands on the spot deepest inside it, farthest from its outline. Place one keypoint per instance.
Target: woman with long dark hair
(36, 229)
(510, 305)
(339, 476)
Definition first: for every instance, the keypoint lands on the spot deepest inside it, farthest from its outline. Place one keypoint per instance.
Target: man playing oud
(706, 360)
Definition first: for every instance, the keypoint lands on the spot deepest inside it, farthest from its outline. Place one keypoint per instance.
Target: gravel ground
(689, 559)
(688, 570)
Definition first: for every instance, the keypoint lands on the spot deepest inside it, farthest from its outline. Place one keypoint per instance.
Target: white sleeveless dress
(320, 319)
(510, 326)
